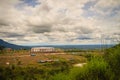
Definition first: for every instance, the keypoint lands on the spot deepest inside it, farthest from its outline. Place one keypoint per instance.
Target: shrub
(112, 56)
(96, 69)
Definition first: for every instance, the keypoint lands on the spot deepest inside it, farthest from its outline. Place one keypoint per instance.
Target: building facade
(42, 49)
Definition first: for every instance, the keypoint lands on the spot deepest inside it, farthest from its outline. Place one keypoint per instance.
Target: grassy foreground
(105, 67)
(98, 67)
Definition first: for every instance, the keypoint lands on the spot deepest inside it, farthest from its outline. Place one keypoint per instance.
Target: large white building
(42, 49)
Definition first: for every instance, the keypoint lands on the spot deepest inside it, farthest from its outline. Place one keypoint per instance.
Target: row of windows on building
(43, 49)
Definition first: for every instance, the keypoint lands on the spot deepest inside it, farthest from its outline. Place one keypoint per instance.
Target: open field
(24, 58)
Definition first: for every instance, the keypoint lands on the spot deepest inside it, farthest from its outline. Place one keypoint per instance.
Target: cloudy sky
(33, 22)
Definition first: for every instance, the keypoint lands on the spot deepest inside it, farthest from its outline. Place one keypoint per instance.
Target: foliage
(112, 56)
(1, 49)
(44, 72)
(96, 69)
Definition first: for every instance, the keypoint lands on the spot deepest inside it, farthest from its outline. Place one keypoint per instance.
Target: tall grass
(96, 69)
(112, 56)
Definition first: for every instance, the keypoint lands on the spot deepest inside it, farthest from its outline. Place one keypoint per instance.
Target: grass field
(24, 58)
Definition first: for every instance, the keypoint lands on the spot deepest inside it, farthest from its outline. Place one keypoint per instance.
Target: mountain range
(13, 46)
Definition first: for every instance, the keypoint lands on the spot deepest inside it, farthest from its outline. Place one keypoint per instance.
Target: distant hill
(13, 46)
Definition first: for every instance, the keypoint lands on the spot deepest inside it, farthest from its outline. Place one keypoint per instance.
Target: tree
(1, 47)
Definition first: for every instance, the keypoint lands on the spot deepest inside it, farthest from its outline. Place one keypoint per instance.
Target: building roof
(42, 48)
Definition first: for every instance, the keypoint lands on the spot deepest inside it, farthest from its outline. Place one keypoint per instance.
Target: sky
(42, 22)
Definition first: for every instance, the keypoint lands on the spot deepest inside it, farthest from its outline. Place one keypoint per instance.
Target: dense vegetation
(105, 67)
(112, 56)
(1, 47)
(43, 72)
(99, 67)
(96, 69)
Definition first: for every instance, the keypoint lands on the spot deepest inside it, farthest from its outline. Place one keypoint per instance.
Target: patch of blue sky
(114, 11)
(87, 11)
(111, 12)
(24, 3)
(32, 3)
(88, 5)
(89, 14)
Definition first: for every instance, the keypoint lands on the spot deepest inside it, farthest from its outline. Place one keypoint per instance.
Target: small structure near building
(43, 50)
(8, 49)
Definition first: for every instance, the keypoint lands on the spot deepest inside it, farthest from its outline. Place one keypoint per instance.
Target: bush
(44, 72)
(96, 69)
(112, 56)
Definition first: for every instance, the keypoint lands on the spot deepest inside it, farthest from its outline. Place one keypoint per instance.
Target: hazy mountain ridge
(10, 45)
(14, 46)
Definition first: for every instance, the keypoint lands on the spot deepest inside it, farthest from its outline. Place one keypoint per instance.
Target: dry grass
(24, 58)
